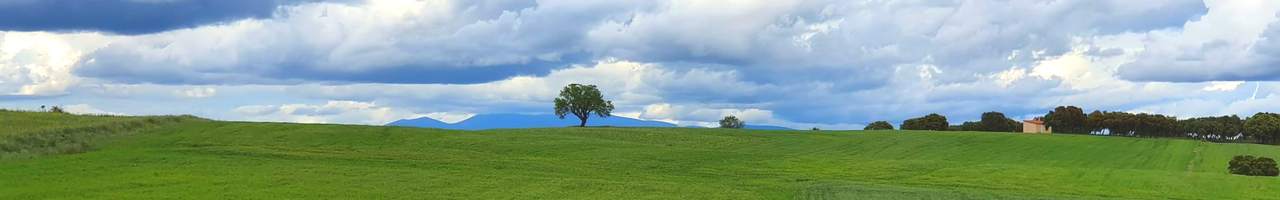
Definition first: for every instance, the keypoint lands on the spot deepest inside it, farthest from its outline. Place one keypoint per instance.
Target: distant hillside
(184, 157)
(766, 127)
(494, 121)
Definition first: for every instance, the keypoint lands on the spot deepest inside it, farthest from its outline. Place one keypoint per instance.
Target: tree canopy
(1263, 127)
(879, 125)
(582, 101)
(1067, 119)
(932, 121)
(1212, 128)
(732, 122)
(997, 122)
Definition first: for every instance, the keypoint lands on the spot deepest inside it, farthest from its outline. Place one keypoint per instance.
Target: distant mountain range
(495, 121)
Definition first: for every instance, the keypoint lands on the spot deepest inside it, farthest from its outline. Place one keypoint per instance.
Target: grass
(30, 134)
(199, 159)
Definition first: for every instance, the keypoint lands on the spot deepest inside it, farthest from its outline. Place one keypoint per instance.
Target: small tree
(582, 101)
(879, 125)
(731, 122)
(56, 109)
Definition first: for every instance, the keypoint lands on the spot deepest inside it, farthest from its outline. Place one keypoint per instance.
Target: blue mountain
(425, 122)
(493, 121)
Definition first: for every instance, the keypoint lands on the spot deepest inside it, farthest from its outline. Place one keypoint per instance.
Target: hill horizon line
(532, 120)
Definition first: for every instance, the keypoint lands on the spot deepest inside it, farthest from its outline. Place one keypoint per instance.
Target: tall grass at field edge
(75, 139)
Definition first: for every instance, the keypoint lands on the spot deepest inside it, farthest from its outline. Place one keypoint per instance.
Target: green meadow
(190, 158)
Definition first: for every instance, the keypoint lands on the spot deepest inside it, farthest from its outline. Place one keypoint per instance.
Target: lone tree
(731, 122)
(582, 101)
(879, 125)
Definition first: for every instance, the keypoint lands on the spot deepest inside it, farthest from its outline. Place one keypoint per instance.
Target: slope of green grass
(28, 134)
(198, 159)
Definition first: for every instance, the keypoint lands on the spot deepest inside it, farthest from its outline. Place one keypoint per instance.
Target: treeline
(991, 121)
(1260, 128)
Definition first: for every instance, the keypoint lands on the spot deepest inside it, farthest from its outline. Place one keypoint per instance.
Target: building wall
(1034, 128)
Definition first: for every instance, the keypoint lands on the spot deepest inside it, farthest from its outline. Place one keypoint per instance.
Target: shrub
(933, 121)
(56, 109)
(968, 126)
(879, 125)
(1253, 166)
(731, 122)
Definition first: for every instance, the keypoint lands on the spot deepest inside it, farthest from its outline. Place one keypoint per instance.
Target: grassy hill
(179, 158)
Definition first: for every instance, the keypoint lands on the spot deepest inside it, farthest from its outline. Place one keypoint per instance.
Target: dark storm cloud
(128, 17)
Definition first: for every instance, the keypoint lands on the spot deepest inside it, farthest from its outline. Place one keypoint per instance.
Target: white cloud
(1228, 43)
(87, 109)
(1223, 86)
(703, 115)
(450, 117)
(34, 63)
(347, 112)
(197, 92)
(340, 41)
(628, 84)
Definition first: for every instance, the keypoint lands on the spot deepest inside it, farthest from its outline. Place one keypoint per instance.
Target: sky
(827, 64)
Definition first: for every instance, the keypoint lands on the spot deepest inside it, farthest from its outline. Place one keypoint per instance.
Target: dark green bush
(56, 109)
(879, 125)
(732, 122)
(934, 122)
(1253, 166)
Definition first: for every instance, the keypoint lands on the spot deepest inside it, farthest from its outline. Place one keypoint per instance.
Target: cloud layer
(831, 64)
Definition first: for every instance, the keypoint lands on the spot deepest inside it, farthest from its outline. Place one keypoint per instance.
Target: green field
(187, 158)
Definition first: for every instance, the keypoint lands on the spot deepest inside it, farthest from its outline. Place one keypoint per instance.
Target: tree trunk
(584, 122)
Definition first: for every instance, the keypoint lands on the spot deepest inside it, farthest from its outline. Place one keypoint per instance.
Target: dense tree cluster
(1129, 124)
(1263, 127)
(1067, 119)
(966, 126)
(1212, 128)
(933, 122)
(991, 122)
(1260, 128)
(1253, 166)
(997, 122)
(879, 125)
